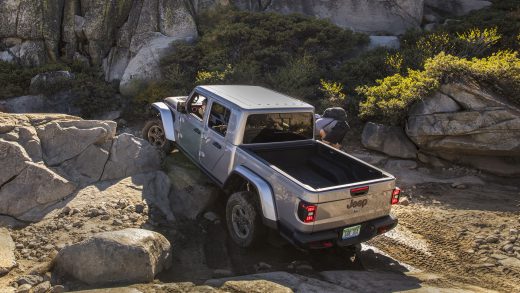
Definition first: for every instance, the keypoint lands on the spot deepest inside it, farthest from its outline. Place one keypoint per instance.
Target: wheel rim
(156, 136)
(241, 222)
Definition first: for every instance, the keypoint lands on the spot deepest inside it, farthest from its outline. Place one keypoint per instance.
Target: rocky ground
(458, 231)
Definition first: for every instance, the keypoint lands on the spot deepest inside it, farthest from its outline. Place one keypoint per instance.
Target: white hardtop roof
(255, 97)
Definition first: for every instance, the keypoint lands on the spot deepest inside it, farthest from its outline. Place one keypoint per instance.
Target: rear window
(278, 127)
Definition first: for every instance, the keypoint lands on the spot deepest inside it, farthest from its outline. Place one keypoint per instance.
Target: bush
(259, 48)
(15, 80)
(93, 95)
(388, 101)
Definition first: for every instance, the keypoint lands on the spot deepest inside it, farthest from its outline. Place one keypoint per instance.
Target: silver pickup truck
(258, 146)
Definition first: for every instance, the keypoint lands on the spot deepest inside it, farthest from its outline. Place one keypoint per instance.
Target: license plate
(351, 232)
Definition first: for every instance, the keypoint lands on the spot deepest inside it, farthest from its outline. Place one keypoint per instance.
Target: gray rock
(144, 66)
(88, 166)
(389, 42)
(25, 288)
(390, 140)
(457, 7)
(32, 280)
(126, 256)
(508, 247)
(175, 20)
(430, 17)
(438, 103)
(369, 16)
(43, 81)
(156, 190)
(483, 133)
(130, 155)
(64, 140)
(57, 289)
(36, 187)
(24, 104)
(401, 164)
(7, 258)
(191, 191)
(510, 262)
(42, 287)
(13, 160)
(31, 53)
(430, 27)
(6, 56)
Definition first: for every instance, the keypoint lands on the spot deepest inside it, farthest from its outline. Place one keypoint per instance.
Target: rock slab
(469, 125)
(390, 140)
(125, 256)
(7, 258)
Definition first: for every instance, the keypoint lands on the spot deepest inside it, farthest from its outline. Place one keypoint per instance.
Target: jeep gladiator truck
(258, 146)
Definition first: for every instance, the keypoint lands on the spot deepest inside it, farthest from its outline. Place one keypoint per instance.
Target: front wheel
(154, 133)
(244, 219)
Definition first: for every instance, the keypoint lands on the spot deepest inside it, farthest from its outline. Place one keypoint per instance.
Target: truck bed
(314, 164)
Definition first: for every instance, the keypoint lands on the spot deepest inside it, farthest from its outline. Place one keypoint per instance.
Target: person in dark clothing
(334, 134)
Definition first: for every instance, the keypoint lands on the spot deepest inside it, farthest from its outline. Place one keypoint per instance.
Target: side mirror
(181, 107)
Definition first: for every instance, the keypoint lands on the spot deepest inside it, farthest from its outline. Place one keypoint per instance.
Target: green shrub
(388, 101)
(15, 80)
(92, 94)
(333, 94)
(260, 48)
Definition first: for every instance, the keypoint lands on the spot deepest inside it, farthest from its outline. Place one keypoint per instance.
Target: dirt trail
(450, 222)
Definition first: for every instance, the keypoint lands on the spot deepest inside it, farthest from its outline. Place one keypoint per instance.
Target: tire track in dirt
(449, 250)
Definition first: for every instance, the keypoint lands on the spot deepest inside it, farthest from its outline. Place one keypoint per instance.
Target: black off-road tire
(244, 219)
(153, 132)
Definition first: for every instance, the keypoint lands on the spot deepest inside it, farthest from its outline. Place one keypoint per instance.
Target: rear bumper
(323, 239)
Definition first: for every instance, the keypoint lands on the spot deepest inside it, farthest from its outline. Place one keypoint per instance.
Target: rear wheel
(154, 133)
(244, 219)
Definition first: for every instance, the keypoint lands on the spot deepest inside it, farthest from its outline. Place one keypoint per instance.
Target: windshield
(278, 127)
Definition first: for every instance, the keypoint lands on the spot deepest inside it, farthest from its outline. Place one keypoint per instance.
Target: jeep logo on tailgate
(359, 203)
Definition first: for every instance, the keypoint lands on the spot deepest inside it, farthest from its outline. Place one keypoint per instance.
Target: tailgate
(353, 205)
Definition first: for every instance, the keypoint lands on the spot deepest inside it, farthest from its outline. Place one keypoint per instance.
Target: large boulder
(126, 256)
(7, 258)
(370, 16)
(33, 189)
(390, 140)
(469, 125)
(13, 160)
(62, 141)
(45, 157)
(457, 7)
(24, 104)
(192, 192)
(41, 82)
(144, 67)
(390, 42)
(130, 155)
(156, 191)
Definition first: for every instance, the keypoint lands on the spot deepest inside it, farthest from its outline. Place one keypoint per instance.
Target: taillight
(395, 195)
(307, 212)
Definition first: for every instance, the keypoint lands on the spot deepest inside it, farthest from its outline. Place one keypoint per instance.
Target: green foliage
(333, 94)
(213, 77)
(92, 94)
(299, 78)
(389, 100)
(259, 48)
(476, 42)
(15, 80)
(503, 15)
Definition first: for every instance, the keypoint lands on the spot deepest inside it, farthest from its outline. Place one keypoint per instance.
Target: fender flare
(265, 192)
(167, 119)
